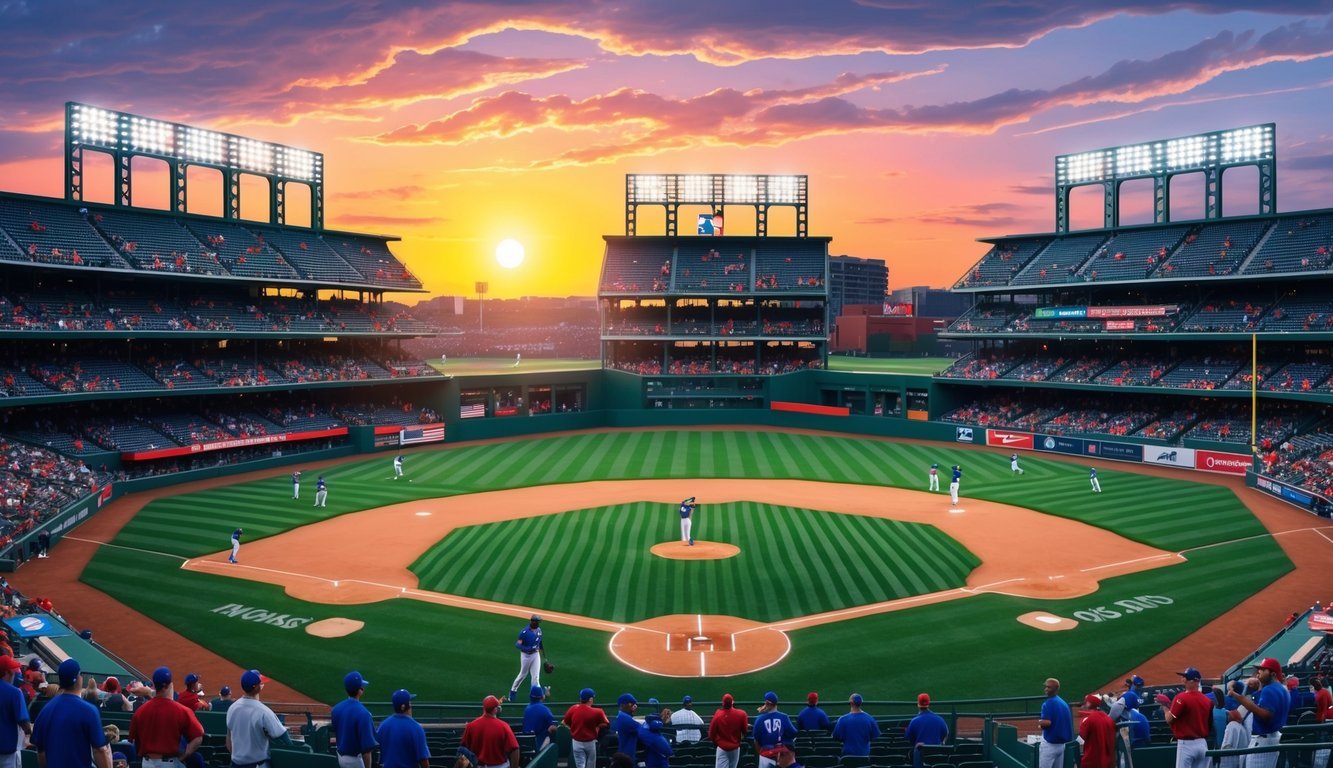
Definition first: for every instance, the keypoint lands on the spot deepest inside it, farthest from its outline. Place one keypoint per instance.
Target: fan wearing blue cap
(68, 728)
(352, 725)
(1190, 717)
(402, 739)
(585, 723)
(770, 729)
(161, 724)
(626, 727)
(856, 729)
(530, 649)
(538, 718)
(250, 723)
(491, 738)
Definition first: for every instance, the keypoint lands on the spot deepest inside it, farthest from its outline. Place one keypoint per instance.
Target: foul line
(127, 549)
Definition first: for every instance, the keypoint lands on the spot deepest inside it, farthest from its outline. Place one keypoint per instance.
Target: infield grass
(961, 649)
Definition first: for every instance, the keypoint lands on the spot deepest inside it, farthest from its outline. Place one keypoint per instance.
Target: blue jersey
(856, 730)
(627, 731)
(1013, 457)
(1140, 734)
(353, 727)
(320, 486)
(529, 640)
(957, 474)
(538, 719)
(296, 478)
(771, 729)
(813, 719)
(67, 730)
(656, 748)
(928, 729)
(402, 742)
(1092, 473)
(14, 705)
(685, 510)
(398, 461)
(1061, 728)
(1275, 698)
(236, 535)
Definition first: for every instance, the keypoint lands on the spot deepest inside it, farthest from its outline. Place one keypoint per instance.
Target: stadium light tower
(482, 288)
(1209, 153)
(716, 191)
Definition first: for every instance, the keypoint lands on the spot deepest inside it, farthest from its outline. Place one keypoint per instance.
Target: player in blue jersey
(321, 492)
(1013, 464)
(771, 728)
(953, 484)
(235, 545)
(529, 645)
(686, 518)
(1092, 476)
(398, 468)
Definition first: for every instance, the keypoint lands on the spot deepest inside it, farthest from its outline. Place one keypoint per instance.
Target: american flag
(426, 433)
(472, 411)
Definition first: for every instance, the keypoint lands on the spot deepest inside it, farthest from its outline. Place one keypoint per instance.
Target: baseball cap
(111, 684)
(586, 694)
(654, 702)
(490, 703)
(727, 701)
(923, 700)
(773, 753)
(1190, 673)
(1293, 681)
(69, 672)
(856, 699)
(34, 663)
(536, 693)
(401, 698)
(10, 664)
(626, 698)
(1272, 665)
(771, 697)
(1092, 701)
(687, 700)
(161, 677)
(224, 690)
(354, 682)
(654, 722)
(535, 617)
(1135, 680)
(191, 679)
(251, 679)
(118, 756)
(812, 698)
(1131, 700)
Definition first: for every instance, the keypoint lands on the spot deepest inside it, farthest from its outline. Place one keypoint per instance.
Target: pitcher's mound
(334, 627)
(701, 550)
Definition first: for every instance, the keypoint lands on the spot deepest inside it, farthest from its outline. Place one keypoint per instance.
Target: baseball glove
(548, 667)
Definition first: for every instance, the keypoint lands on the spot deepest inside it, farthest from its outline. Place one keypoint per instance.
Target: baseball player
(934, 477)
(296, 484)
(529, 645)
(953, 484)
(235, 545)
(321, 492)
(1092, 476)
(686, 509)
(397, 466)
(1013, 464)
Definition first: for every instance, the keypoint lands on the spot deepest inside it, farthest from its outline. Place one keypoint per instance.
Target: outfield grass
(852, 560)
(923, 366)
(962, 649)
(486, 366)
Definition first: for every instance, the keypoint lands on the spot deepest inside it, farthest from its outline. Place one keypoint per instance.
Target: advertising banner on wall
(1055, 444)
(1006, 439)
(1226, 463)
(1170, 456)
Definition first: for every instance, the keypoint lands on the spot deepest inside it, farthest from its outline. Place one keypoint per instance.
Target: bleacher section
(240, 252)
(156, 243)
(1132, 255)
(636, 267)
(1213, 249)
(308, 252)
(787, 266)
(709, 270)
(1002, 262)
(49, 233)
(1295, 244)
(372, 259)
(1060, 261)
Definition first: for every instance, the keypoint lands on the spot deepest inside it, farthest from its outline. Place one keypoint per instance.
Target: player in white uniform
(953, 484)
(235, 545)
(321, 493)
(934, 477)
(296, 484)
(397, 466)
(1013, 464)
(686, 518)
(1092, 476)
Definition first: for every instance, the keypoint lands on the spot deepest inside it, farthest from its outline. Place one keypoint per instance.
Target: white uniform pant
(1321, 755)
(235, 548)
(1192, 753)
(12, 759)
(1235, 736)
(350, 761)
(727, 758)
(934, 482)
(953, 491)
(585, 754)
(1096, 485)
(1013, 467)
(1265, 759)
(321, 498)
(397, 470)
(685, 529)
(1050, 755)
(528, 664)
(296, 490)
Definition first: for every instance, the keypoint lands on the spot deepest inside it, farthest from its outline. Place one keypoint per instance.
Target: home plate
(423, 514)
(1047, 622)
(956, 511)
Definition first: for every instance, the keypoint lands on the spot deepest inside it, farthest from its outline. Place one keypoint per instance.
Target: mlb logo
(964, 435)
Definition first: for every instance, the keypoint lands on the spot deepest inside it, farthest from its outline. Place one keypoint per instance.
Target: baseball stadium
(224, 452)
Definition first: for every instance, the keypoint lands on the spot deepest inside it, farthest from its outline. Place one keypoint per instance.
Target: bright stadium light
(204, 146)
(1189, 152)
(650, 188)
(153, 136)
(741, 189)
(696, 189)
(1086, 166)
(783, 189)
(1139, 158)
(300, 164)
(95, 126)
(251, 155)
(1247, 144)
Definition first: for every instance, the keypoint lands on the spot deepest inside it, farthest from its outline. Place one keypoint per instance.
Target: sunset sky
(922, 124)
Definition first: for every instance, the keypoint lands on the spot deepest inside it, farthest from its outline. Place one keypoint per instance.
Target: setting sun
(509, 253)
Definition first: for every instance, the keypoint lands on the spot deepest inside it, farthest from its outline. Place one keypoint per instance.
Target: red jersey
(157, 726)
(1193, 713)
(491, 739)
(191, 699)
(585, 721)
(728, 728)
(1098, 732)
(1323, 705)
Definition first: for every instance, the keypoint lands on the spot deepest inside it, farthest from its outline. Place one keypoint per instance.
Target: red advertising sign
(892, 309)
(1320, 622)
(239, 442)
(1157, 311)
(1006, 439)
(1226, 463)
(1119, 325)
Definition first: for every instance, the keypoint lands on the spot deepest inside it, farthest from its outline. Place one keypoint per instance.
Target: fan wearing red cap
(926, 729)
(1190, 717)
(727, 730)
(491, 738)
(1097, 730)
(13, 711)
(250, 723)
(1270, 709)
(813, 717)
(402, 739)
